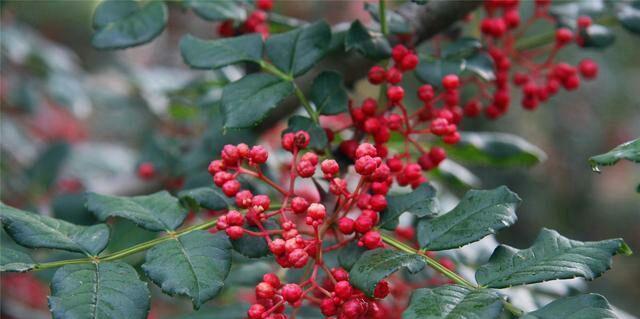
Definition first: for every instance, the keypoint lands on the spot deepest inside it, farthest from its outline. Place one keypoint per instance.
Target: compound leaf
(296, 51)
(629, 151)
(375, 265)
(421, 202)
(588, 306)
(213, 54)
(453, 301)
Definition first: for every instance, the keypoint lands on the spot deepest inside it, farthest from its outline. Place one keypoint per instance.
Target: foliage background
(126, 98)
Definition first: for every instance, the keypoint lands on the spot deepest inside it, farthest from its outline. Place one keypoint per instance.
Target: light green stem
(382, 12)
(127, 251)
(444, 271)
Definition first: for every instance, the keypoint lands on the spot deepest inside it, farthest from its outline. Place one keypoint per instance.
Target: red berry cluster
(256, 22)
(538, 76)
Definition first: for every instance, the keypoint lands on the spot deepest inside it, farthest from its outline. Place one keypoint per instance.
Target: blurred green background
(561, 193)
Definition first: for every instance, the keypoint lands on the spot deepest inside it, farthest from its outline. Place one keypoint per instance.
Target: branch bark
(427, 20)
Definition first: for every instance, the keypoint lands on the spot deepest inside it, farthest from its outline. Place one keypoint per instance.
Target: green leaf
(375, 265)
(37, 231)
(481, 64)
(629, 16)
(597, 36)
(456, 175)
(193, 265)
(205, 197)
(296, 51)
(461, 48)
(453, 302)
(156, 212)
(247, 101)
(14, 260)
(421, 202)
(396, 22)
(213, 54)
(629, 151)
(71, 207)
(495, 149)
(372, 45)
(98, 291)
(251, 246)
(588, 306)
(328, 93)
(318, 137)
(478, 214)
(218, 10)
(45, 169)
(119, 25)
(350, 254)
(432, 72)
(552, 256)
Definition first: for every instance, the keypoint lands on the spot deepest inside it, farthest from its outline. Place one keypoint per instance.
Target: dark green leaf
(156, 212)
(14, 260)
(589, 306)
(205, 197)
(118, 25)
(456, 175)
(328, 93)
(232, 311)
(461, 48)
(597, 36)
(396, 22)
(251, 246)
(44, 171)
(247, 101)
(629, 151)
(432, 72)
(316, 133)
(193, 265)
(552, 256)
(218, 10)
(453, 301)
(629, 16)
(37, 231)
(481, 64)
(421, 202)
(71, 207)
(375, 265)
(496, 149)
(372, 45)
(98, 291)
(213, 54)
(296, 51)
(350, 254)
(478, 214)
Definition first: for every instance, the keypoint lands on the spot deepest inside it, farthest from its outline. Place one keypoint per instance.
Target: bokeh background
(74, 118)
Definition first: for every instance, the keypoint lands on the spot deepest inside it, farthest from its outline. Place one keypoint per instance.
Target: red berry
(584, 22)
(298, 258)
(382, 135)
(291, 292)
(425, 162)
(452, 138)
(571, 83)
(353, 309)
(271, 279)
(437, 154)
(530, 102)
(369, 106)
(264, 4)
(398, 53)
(395, 93)
(316, 211)
(588, 68)
(258, 155)
(146, 170)
(231, 188)
(329, 168)
(215, 166)
(395, 164)
(256, 311)
(520, 79)
(243, 198)
(222, 177)
(339, 274)
(425, 93)
(409, 62)
(563, 36)
(343, 289)
(371, 240)
(363, 224)
(366, 149)
(265, 290)
(365, 165)
(512, 18)
(381, 173)
(472, 108)
(394, 76)
(382, 289)
(378, 202)
(450, 82)
(261, 201)
(371, 125)
(301, 139)
(305, 169)
(277, 246)
(288, 141)
(299, 205)
(230, 155)
(376, 75)
(225, 29)
(346, 225)
(327, 307)
(235, 232)
(439, 126)
(234, 218)
(348, 148)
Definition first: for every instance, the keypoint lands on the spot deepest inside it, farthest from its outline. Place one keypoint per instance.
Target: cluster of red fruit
(255, 22)
(335, 297)
(539, 78)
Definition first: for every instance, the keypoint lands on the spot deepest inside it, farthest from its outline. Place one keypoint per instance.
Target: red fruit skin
(376, 75)
(235, 232)
(291, 292)
(450, 82)
(146, 171)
